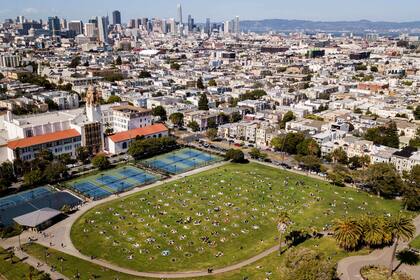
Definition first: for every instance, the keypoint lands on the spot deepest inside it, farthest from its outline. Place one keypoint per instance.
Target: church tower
(93, 108)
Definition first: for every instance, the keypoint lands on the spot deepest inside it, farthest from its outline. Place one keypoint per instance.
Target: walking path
(349, 268)
(38, 265)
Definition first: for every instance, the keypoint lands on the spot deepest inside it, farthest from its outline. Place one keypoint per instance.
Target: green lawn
(70, 265)
(267, 268)
(215, 218)
(13, 268)
(416, 243)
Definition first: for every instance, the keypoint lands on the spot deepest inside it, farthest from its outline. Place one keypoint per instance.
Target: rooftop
(36, 218)
(138, 132)
(42, 139)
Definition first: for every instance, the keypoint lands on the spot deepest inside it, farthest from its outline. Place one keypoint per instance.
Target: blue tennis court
(181, 161)
(91, 190)
(28, 201)
(23, 197)
(112, 181)
(137, 174)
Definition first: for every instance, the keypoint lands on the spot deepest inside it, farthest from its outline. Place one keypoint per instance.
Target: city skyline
(218, 10)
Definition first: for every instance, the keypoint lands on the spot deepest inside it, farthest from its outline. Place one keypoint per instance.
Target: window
(124, 145)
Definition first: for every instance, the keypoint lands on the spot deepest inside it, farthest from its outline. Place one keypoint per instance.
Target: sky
(218, 10)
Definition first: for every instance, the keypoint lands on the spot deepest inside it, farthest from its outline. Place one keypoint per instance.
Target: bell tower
(93, 108)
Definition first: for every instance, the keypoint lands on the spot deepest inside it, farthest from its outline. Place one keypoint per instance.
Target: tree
(283, 221)
(400, 228)
(356, 162)
(55, 171)
(160, 112)
(211, 123)
(194, 126)
(177, 119)
(235, 155)
(256, 153)
(212, 83)
(289, 116)
(308, 147)
(33, 178)
(150, 147)
(253, 95)
(384, 135)
(203, 102)
(235, 117)
(211, 133)
(374, 232)
(175, 66)
(310, 162)
(144, 74)
(383, 179)
(101, 162)
(75, 62)
(7, 172)
(411, 190)
(113, 99)
(347, 233)
(118, 61)
(83, 154)
(416, 113)
(339, 175)
(288, 143)
(200, 84)
(304, 263)
(339, 155)
(415, 142)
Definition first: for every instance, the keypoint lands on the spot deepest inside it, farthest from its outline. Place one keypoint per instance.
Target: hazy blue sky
(390, 10)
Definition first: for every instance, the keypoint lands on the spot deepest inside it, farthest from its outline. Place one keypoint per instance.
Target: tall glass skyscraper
(116, 17)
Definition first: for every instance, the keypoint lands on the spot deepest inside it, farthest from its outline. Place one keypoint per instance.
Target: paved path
(349, 268)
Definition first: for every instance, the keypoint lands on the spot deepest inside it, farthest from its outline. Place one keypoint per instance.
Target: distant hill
(331, 26)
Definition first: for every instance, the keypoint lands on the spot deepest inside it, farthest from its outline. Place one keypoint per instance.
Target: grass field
(416, 243)
(16, 270)
(267, 268)
(215, 218)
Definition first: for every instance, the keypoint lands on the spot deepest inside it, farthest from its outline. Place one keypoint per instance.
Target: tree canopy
(384, 135)
(143, 148)
(177, 119)
(160, 112)
(203, 102)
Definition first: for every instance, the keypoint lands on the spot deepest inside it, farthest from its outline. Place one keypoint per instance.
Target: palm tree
(401, 228)
(347, 233)
(373, 230)
(282, 223)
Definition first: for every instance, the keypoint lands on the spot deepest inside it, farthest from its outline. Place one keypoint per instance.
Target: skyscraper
(116, 17)
(76, 26)
(90, 30)
(207, 28)
(190, 23)
(179, 8)
(54, 25)
(237, 26)
(103, 29)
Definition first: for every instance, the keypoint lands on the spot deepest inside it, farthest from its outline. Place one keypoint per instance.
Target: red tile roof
(42, 139)
(142, 131)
